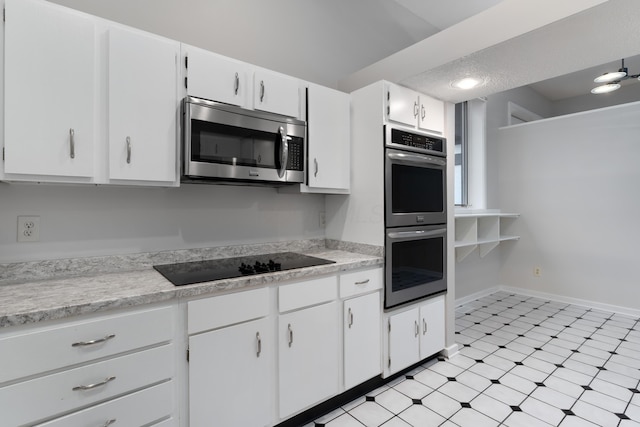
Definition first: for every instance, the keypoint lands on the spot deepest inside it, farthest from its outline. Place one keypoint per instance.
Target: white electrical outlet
(28, 228)
(537, 271)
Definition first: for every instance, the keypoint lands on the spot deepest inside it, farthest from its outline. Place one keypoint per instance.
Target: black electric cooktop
(187, 273)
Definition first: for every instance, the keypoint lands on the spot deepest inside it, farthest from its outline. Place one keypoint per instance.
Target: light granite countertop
(34, 300)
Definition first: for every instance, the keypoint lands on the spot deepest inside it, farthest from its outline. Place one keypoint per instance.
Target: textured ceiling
(562, 47)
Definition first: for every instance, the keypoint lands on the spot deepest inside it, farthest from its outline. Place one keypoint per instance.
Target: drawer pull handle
(236, 84)
(259, 344)
(350, 318)
(261, 90)
(90, 386)
(424, 326)
(72, 143)
(417, 328)
(290, 334)
(108, 423)
(92, 342)
(128, 150)
(363, 282)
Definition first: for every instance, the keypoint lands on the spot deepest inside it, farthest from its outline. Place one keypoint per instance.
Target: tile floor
(523, 361)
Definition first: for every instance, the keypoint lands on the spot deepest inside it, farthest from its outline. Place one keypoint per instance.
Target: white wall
(575, 181)
(630, 92)
(475, 274)
(78, 221)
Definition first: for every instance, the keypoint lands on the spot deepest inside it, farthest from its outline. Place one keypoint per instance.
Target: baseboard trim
(554, 297)
(451, 351)
(576, 301)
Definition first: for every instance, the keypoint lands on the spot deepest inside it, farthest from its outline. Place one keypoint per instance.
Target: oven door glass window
(416, 263)
(416, 189)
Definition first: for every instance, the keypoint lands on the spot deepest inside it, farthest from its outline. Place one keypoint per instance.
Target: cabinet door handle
(315, 163)
(417, 328)
(290, 334)
(416, 110)
(424, 326)
(236, 84)
(423, 112)
(259, 344)
(350, 318)
(92, 342)
(261, 90)
(108, 423)
(90, 386)
(72, 143)
(128, 150)
(362, 282)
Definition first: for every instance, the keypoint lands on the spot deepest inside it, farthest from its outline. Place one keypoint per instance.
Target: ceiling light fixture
(466, 83)
(613, 80)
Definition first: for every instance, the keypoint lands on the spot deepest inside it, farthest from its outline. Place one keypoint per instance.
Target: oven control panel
(417, 141)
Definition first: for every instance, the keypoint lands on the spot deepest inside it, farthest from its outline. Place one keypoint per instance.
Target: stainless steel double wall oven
(415, 215)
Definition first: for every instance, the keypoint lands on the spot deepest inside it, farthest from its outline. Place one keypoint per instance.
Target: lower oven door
(415, 263)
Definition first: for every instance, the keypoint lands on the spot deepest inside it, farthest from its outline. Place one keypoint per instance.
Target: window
(470, 187)
(461, 152)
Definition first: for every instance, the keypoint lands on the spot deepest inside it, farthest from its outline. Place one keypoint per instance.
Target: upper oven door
(415, 189)
(231, 143)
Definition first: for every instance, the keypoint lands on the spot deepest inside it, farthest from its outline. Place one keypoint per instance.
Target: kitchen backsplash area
(79, 221)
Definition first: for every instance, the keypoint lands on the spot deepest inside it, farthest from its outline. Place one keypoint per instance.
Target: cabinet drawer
(309, 292)
(45, 349)
(215, 312)
(136, 409)
(360, 282)
(47, 396)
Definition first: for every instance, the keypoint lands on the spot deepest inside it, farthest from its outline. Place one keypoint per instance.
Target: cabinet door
(50, 83)
(404, 340)
(431, 327)
(308, 357)
(143, 106)
(431, 114)
(276, 93)
(402, 105)
(328, 122)
(230, 376)
(361, 339)
(215, 77)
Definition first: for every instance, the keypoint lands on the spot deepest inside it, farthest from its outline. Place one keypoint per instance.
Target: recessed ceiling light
(606, 88)
(610, 77)
(466, 83)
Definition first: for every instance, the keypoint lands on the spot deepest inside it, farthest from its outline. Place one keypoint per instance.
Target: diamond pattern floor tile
(523, 361)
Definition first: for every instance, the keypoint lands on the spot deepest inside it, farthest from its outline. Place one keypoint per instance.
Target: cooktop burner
(187, 273)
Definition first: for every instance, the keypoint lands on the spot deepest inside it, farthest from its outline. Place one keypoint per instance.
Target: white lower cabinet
(104, 365)
(362, 345)
(308, 357)
(230, 382)
(140, 408)
(415, 334)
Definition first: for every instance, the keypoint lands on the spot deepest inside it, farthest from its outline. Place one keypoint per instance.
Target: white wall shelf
(482, 230)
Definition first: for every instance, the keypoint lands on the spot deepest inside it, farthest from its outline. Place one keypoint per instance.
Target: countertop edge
(91, 293)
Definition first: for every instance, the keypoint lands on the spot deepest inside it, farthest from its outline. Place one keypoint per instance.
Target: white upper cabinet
(215, 77)
(328, 123)
(143, 106)
(414, 109)
(50, 90)
(276, 93)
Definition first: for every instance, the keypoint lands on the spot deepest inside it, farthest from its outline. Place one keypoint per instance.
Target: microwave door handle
(416, 158)
(419, 233)
(284, 151)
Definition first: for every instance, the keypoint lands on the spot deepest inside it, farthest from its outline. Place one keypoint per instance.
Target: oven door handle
(415, 158)
(418, 233)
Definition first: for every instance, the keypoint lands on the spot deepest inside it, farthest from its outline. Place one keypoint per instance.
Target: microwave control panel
(296, 155)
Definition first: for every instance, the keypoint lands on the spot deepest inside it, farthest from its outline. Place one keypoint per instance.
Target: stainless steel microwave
(224, 143)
